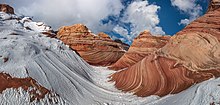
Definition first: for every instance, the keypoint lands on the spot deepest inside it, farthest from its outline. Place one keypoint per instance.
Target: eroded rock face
(191, 56)
(6, 8)
(142, 46)
(95, 49)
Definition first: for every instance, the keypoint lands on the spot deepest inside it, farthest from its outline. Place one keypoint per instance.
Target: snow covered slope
(71, 80)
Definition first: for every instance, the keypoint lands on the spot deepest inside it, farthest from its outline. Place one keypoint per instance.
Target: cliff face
(141, 47)
(95, 49)
(6, 8)
(191, 56)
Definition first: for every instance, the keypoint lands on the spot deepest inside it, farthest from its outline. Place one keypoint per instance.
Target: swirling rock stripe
(157, 76)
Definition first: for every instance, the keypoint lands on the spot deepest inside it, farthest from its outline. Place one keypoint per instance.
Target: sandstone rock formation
(38, 92)
(142, 46)
(191, 56)
(6, 8)
(196, 51)
(103, 35)
(95, 49)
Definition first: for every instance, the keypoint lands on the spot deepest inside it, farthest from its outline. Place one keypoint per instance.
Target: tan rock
(103, 35)
(6, 8)
(196, 51)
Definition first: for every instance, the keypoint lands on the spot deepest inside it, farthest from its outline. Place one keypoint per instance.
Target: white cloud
(188, 7)
(142, 16)
(184, 21)
(120, 30)
(183, 5)
(67, 12)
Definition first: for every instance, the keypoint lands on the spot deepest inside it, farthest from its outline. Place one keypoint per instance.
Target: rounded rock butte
(99, 50)
(191, 56)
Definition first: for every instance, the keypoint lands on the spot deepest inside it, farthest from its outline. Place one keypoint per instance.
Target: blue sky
(123, 19)
(170, 16)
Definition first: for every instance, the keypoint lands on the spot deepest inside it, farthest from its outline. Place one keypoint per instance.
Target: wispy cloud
(189, 7)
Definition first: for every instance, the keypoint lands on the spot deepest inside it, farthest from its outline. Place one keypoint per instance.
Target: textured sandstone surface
(142, 46)
(6, 8)
(158, 77)
(196, 51)
(98, 50)
(191, 56)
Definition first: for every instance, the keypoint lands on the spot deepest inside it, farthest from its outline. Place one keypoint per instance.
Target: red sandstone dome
(191, 56)
(95, 49)
(142, 46)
